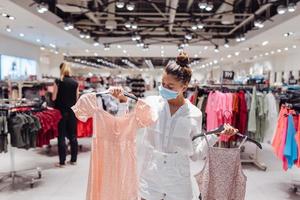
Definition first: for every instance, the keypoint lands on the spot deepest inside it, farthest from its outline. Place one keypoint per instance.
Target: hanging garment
(271, 116)
(85, 129)
(291, 149)
(168, 146)
(252, 113)
(298, 143)
(222, 177)
(213, 110)
(243, 113)
(113, 173)
(3, 133)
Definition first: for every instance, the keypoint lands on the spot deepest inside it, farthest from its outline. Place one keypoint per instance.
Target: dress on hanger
(222, 177)
(113, 173)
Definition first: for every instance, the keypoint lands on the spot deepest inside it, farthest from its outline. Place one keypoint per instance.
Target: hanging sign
(228, 75)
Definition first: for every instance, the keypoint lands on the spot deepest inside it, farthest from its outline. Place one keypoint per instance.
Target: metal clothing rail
(13, 174)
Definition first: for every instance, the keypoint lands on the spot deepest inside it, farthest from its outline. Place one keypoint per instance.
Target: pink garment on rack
(113, 173)
(212, 111)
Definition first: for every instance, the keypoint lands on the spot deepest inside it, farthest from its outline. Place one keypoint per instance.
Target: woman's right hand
(118, 92)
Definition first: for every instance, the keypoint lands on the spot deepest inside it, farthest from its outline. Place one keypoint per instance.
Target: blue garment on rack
(290, 149)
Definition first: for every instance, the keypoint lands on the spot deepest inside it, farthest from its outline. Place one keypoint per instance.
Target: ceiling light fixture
(288, 34)
(278, 50)
(42, 8)
(202, 5)
(11, 18)
(130, 6)
(38, 40)
(209, 7)
(96, 43)
(42, 48)
(52, 45)
(294, 46)
(265, 43)
(200, 25)
(87, 36)
(205, 47)
(229, 56)
(106, 47)
(259, 23)
(120, 4)
(68, 26)
(243, 38)
(188, 36)
(281, 9)
(291, 7)
(81, 35)
(226, 44)
(286, 48)
(21, 34)
(8, 29)
(194, 27)
(127, 24)
(216, 49)
(146, 47)
(4, 15)
(134, 26)
(272, 52)
(237, 53)
(119, 46)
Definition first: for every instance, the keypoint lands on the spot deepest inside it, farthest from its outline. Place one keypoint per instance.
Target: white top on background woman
(165, 172)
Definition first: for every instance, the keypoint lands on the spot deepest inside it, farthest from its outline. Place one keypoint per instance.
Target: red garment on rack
(298, 142)
(85, 129)
(49, 120)
(242, 115)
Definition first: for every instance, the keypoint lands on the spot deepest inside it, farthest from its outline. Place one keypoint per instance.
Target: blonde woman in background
(65, 95)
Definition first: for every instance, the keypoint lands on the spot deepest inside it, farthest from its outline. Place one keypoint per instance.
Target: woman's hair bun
(182, 59)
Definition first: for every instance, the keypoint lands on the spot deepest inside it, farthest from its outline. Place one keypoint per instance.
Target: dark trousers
(67, 127)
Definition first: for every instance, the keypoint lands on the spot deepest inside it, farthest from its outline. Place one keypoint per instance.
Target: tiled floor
(70, 183)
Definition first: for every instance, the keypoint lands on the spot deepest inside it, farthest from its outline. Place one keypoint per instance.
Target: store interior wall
(48, 63)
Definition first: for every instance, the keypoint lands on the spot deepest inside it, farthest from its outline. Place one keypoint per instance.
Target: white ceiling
(45, 27)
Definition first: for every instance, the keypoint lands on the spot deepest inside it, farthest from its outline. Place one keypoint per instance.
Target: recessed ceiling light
(200, 25)
(222, 59)
(258, 23)
(119, 46)
(265, 43)
(205, 47)
(196, 56)
(42, 48)
(294, 46)
(42, 8)
(237, 53)
(4, 15)
(286, 48)
(87, 50)
(188, 36)
(216, 49)
(38, 40)
(266, 53)
(21, 34)
(229, 56)
(215, 61)
(261, 55)
(95, 54)
(11, 18)
(272, 52)
(124, 51)
(52, 45)
(278, 50)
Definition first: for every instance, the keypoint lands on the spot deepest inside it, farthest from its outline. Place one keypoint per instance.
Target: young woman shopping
(165, 171)
(65, 95)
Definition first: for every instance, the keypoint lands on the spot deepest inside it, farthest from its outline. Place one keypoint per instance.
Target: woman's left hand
(229, 130)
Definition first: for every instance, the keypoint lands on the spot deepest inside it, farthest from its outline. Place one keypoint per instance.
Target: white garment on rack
(165, 169)
(252, 113)
(271, 109)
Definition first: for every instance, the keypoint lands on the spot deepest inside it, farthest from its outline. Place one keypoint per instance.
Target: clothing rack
(13, 174)
(246, 158)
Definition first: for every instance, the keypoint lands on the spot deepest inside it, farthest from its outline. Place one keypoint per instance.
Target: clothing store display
(286, 138)
(113, 173)
(168, 143)
(49, 120)
(222, 177)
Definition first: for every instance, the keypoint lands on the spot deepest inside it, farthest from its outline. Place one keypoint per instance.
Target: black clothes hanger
(99, 94)
(221, 128)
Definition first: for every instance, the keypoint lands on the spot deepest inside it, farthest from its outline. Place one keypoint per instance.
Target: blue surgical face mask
(167, 94)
